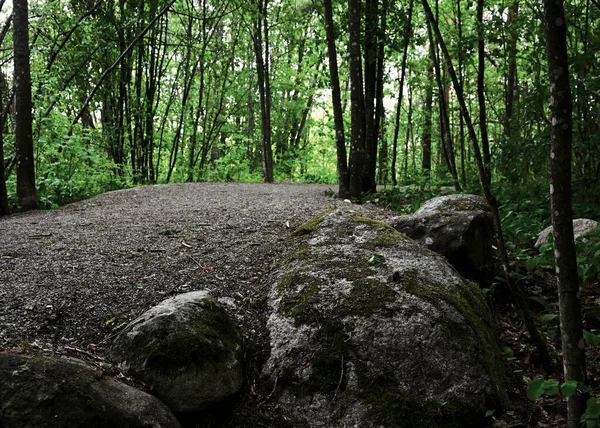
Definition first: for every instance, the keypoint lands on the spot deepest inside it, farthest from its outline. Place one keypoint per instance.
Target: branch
(112, 67)
(70, 33)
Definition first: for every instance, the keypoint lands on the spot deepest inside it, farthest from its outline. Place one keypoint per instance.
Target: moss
(480, 322)
(292, 279)
(388, 236)
(302, 254)
(311, 225)
(211, 341)
(368, 295)
(464, 204)
(300, 307)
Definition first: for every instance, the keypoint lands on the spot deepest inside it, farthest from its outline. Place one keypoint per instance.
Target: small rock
(580, 226)
(187, 348)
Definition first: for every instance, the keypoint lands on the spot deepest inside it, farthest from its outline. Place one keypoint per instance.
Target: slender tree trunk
(379, 109)
(357, 142)
(26, 191)
(461, 121)
(512, 71)
(408, 132)
(536, 337)
(485, 145)
(260, 41)
(428, 113)
(407, 36)
(561, 109)
(3, 193)
(446, 136)
(338, 114)
(370, 85)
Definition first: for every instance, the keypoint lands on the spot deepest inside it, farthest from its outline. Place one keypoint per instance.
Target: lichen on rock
(379, 344)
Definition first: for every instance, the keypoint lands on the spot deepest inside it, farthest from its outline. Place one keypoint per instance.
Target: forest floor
(71, 278)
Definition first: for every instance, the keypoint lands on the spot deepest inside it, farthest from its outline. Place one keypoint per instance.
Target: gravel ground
(73, 277)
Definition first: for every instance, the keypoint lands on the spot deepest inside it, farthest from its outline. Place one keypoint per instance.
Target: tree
(26, 191)
(357, 101)
(561, 109)
(260, 39)
(338, 114)
(485, 181)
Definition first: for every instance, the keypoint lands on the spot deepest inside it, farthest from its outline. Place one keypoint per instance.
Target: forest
(99, 95)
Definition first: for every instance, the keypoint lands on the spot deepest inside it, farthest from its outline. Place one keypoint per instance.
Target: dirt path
(71, 278)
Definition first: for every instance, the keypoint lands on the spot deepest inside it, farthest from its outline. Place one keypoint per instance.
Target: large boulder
(370, 329)
(60, 392)
(187, 348)
(459, 227)
(580, 226)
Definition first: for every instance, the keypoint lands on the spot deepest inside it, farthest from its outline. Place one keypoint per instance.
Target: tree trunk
(561, 109)
(512, 71)
(536, 337)
(357, 142)
(26, 192)
(338, 114)
(485, 145)
(428, 113)
(370, 85)
(445, 134)
(3, 193)
(407, 36)
(260, 40)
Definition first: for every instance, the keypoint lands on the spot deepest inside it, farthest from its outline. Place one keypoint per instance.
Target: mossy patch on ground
(311, 225)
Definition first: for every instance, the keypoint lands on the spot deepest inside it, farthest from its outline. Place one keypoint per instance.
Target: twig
(273, 391)
(81, 351)
(340, 382)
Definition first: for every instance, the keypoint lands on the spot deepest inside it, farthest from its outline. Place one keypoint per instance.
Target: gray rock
(60, 392)
(370, 329)
(580, 226)
(459, 227)
(187, 348)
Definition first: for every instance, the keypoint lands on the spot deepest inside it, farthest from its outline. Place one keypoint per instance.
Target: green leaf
(110, 321)
(548, 318)
(591, 338)
(551, 387)
(489, 413)
(592, 413)
(569, 388)
(535, 388)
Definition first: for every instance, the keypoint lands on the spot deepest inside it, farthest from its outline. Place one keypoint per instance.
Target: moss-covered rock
(459, 227)
(187, 347)
(64, 392)
(402, 342)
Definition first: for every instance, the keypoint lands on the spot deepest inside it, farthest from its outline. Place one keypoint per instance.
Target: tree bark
(511, 79)
(26, 192)
(428, 113)
(4, 210)
(561, 109)
(338, 114)
(407, 36)
(370, 88)
(485, 145)
(536, 337)
(357, 107)
(260, 40)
